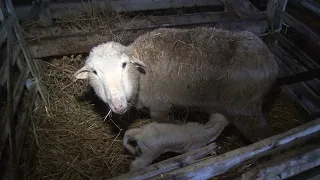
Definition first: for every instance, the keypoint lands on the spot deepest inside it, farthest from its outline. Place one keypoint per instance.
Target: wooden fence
(299, 79)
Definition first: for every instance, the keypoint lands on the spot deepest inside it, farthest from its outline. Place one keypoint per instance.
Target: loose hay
(74, 141)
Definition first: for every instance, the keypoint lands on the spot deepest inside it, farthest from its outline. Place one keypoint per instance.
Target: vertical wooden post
(273, 9)
(10, 119)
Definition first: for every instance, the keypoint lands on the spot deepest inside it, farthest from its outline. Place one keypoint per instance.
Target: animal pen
(50, 130)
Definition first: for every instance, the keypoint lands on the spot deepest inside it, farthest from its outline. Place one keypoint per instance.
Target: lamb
(155, 138)
(208, 69)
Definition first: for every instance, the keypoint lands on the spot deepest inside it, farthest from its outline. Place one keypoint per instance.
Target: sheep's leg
(160, 114)
(144, 160)
(253, 129)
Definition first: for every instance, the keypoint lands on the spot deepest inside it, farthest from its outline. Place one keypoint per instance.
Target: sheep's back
(205, 67)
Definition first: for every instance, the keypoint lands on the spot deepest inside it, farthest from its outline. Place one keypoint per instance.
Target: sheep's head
(113, 73)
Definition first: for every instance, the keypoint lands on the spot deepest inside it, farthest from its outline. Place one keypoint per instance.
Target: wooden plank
(18, 89)
(3, 78)
(9, 119)
(169, 164)
(140, 5)
(296, 67)
(301, 27)
(273, 9)
(27, 56)
(177, 20)
(243, 8)
(3, 32)
(309, 4)
(62, 10)
(83, 42)
(302, 94)
(1, 17)
(214, 166)
(23, 123)
(311, 174)
(296, 52)
(286, 165)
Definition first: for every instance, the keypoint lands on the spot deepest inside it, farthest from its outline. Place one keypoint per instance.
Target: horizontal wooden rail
(61, 10)
(301, 27)
(214, 166)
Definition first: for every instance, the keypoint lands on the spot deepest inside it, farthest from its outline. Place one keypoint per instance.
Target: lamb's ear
(82, 73)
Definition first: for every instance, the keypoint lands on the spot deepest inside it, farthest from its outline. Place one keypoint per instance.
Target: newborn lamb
(155, 138)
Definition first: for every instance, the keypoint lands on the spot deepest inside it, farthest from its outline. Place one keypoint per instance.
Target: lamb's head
(113, 73)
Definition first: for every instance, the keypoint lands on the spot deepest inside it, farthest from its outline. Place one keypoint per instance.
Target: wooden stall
(32, 33)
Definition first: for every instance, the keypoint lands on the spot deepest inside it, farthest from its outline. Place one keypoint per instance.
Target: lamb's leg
(216, 125)
(144, 160)
(160, 115)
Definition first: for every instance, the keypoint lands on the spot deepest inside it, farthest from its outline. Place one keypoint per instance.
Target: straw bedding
(75, 141)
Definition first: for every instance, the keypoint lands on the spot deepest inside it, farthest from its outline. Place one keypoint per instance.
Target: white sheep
(155, 138)
(210, 69)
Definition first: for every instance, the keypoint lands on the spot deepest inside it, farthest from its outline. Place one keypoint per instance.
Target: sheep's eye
(94, 71)
(124, 65)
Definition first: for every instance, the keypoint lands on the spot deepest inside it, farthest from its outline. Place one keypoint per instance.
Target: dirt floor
(75, 141)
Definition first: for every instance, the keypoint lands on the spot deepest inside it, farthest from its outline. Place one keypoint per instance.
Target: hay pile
(74, 141)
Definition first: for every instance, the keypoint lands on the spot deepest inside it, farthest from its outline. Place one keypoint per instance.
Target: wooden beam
(218, 165)
(309, 4)
(301, 27)
(286, 165)
(3, 32)
(273, 9)
(169, 164)
(243, 8)
(82, 42)
(296, 52)
(177, 20)
(62, 10)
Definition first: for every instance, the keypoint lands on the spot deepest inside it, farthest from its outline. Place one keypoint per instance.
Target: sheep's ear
(138, 63)
(82, 73)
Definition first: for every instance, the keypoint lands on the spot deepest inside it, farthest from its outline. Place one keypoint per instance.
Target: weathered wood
(215, 166)
(3, 32)
(286, 165)
(83, 42)
(22, 127)
(311, 174)
(1, 16)
(24, 121)
(9, 119)
(180, 20)
(309, 4)
(273, 9)
(18, 89)
(296, 67)
(243, 8)
(62, 10)
(169, 164)
(301, 27)
(296, 52)
(27, 56)
(3, 78)
(300, 92)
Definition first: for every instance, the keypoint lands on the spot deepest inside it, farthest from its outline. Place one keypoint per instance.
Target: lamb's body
(156, 138)
(204, 68)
